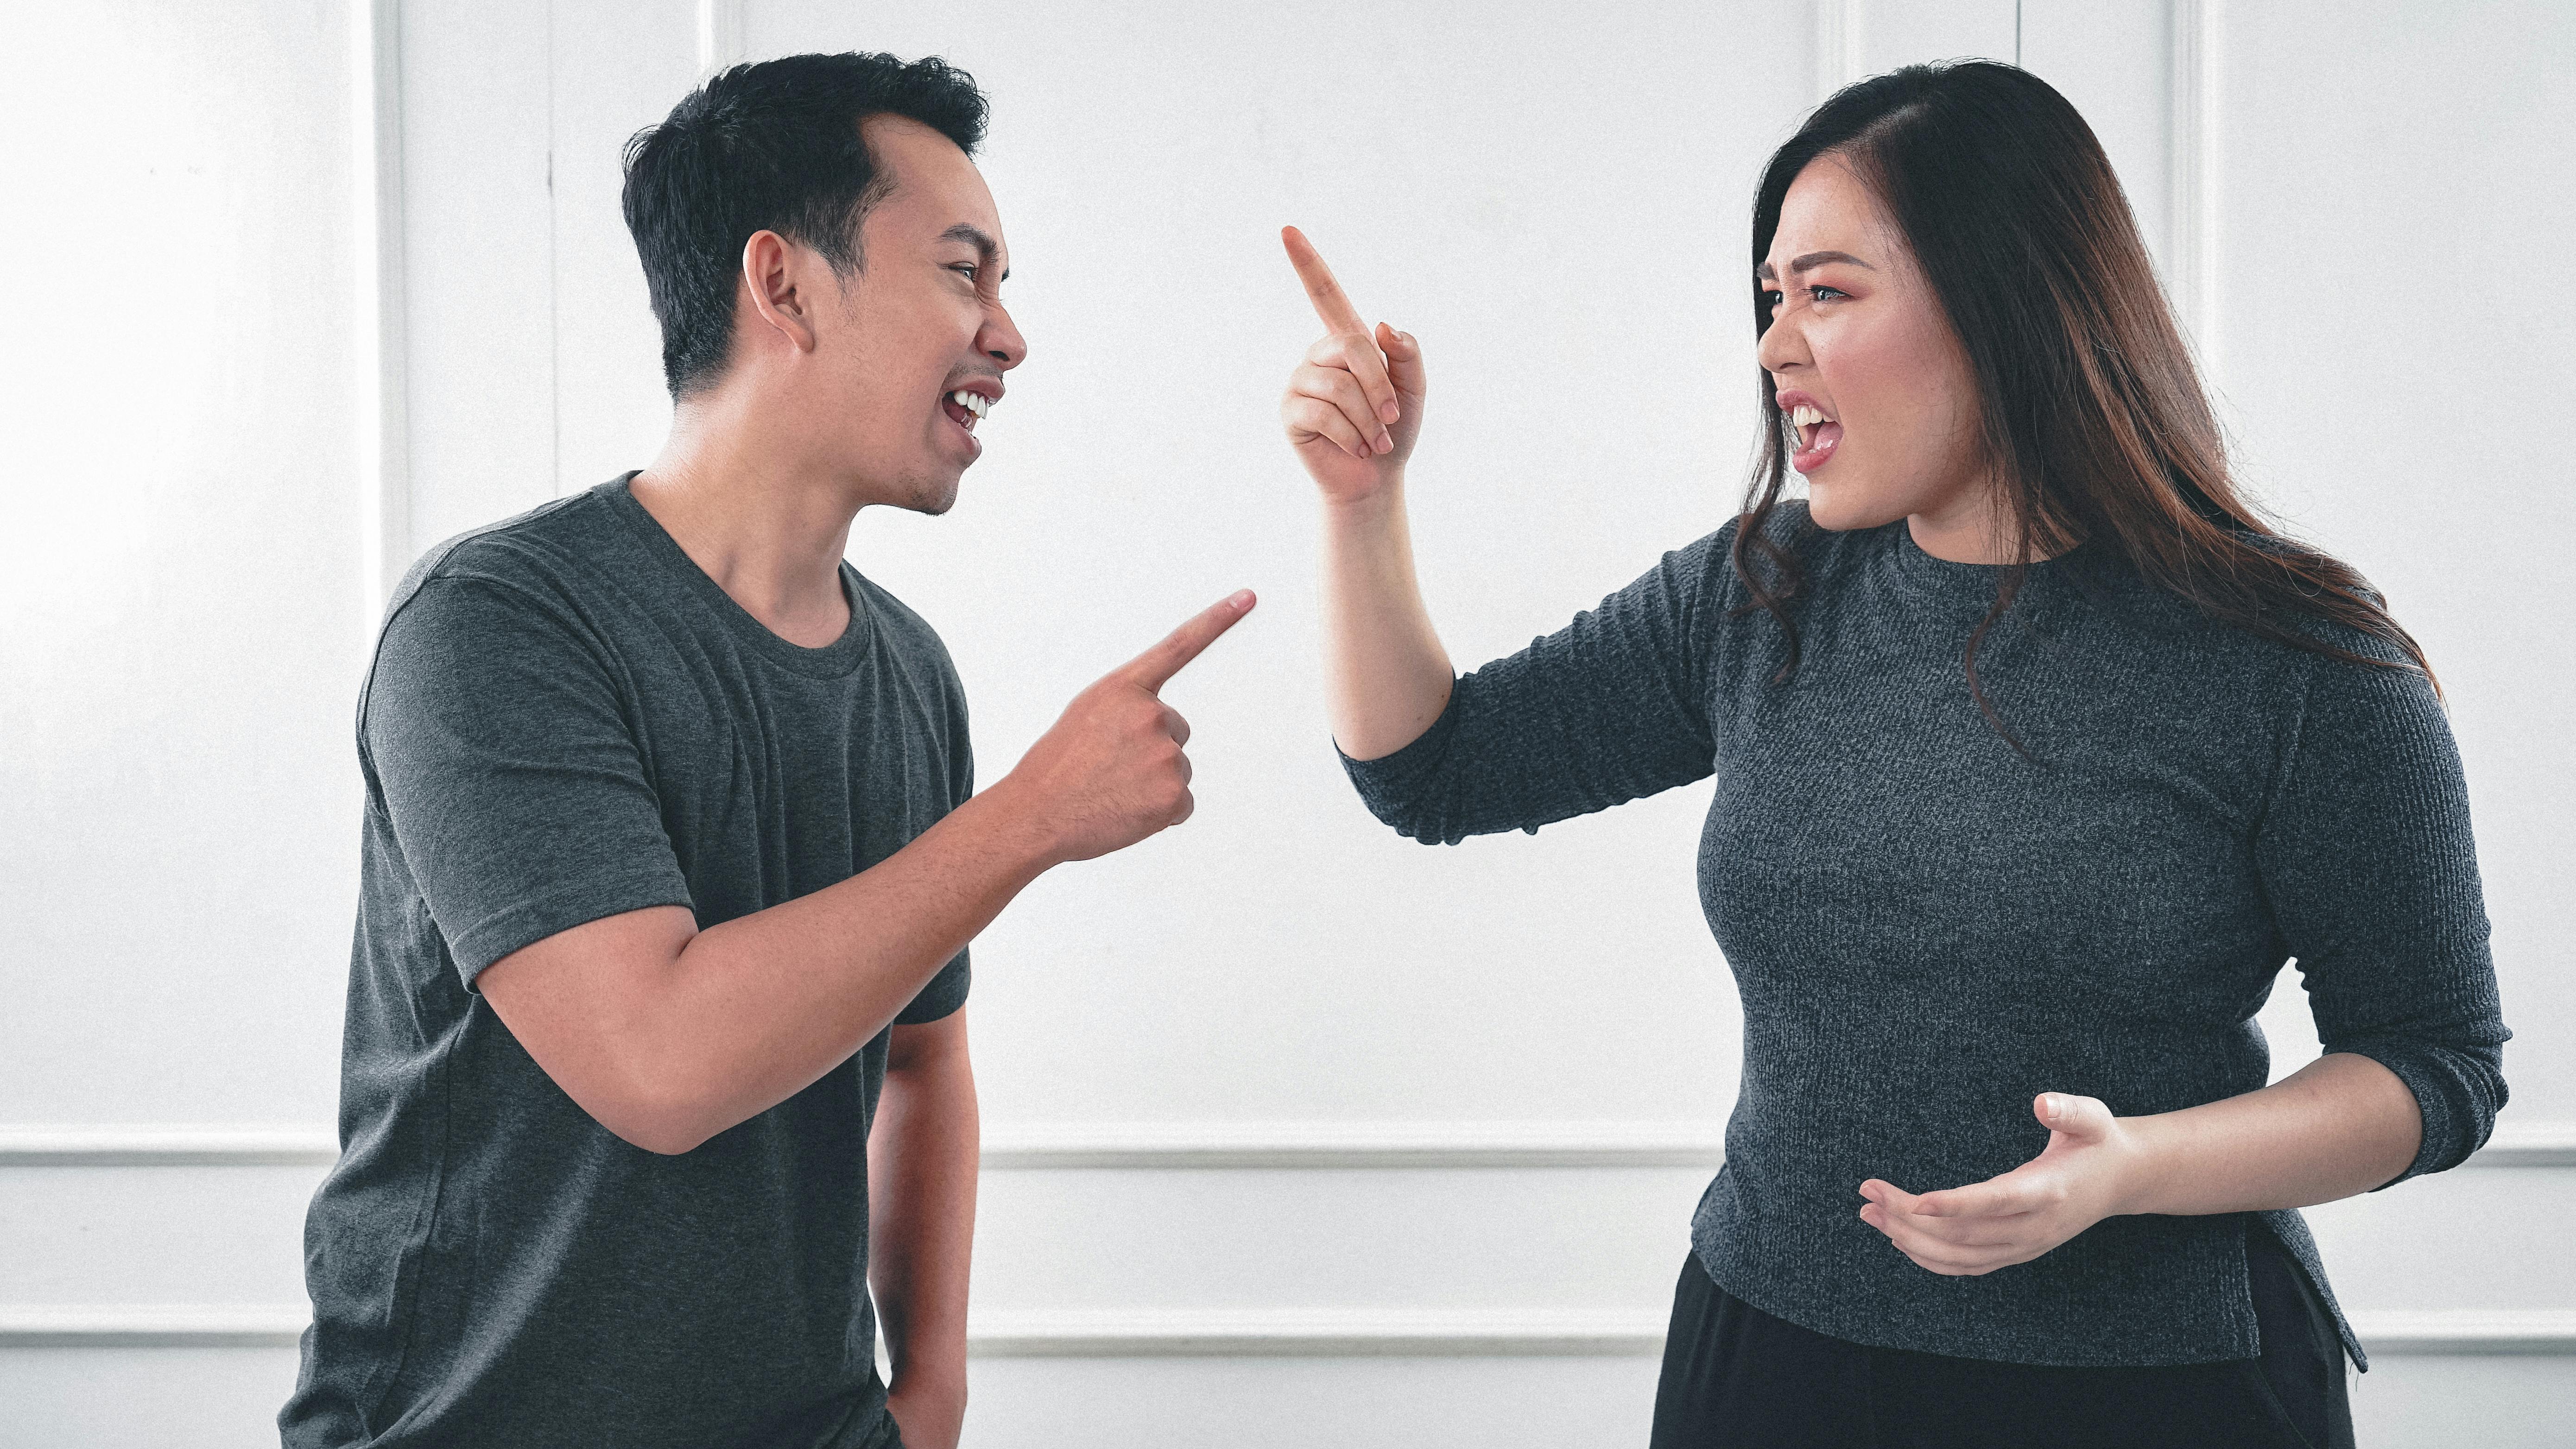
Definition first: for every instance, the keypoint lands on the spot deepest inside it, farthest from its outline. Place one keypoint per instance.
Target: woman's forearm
(2342, 1125)
(1386, 676)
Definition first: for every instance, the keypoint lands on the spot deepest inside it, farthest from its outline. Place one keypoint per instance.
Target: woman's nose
(1782, 345)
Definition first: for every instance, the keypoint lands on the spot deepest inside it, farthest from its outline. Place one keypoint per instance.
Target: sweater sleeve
(2372, 877)
(1612, 707)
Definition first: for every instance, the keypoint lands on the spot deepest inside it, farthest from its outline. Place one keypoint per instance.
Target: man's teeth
(973, 402)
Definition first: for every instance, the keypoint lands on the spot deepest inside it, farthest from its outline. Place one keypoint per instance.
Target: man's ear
(771, 271)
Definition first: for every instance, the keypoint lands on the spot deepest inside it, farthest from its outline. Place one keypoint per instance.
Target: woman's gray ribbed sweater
(1927, 929)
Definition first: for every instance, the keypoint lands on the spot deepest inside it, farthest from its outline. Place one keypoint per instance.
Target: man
(671, 858)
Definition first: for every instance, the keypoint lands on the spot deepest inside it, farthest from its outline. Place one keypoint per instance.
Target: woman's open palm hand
(2080, 1178)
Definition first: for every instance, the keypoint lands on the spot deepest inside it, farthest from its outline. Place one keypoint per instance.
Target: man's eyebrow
(976, 237)
(1809, 263)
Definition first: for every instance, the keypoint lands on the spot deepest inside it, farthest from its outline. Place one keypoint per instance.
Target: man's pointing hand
(1111, 771)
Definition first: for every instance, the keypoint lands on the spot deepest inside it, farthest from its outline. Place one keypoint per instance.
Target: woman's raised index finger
(1321, 289)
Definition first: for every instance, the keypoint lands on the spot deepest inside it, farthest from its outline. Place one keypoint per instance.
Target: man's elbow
(664, 1118)
(661, 1138)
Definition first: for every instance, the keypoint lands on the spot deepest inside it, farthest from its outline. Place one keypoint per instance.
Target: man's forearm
(922, 1158)
(2342, 1125)
(669, 1035)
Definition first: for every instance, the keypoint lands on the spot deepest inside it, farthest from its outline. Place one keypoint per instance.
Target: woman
(2037, 753)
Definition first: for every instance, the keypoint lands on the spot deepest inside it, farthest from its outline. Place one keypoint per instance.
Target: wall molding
(383, 377)
(721, 30)
(1838, 45)
(2192, 88)
(1152, 1146)
(1245, 1333)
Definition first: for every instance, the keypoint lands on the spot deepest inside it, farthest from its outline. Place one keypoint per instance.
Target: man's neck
(768, 531)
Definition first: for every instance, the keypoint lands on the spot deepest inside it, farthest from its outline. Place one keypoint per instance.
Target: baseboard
(1257, 1146)
(1247, 1333)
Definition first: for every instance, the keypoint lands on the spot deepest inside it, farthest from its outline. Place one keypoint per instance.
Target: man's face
(920, 322)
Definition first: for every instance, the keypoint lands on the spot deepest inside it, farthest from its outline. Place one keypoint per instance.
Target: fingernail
(1388, 412)
(1240, 598)
(2056, 1107)
(1385, 444)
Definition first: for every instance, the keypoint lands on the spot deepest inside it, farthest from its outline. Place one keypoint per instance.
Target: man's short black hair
(773, 145)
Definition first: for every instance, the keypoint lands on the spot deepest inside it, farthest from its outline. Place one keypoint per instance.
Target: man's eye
(969, 268)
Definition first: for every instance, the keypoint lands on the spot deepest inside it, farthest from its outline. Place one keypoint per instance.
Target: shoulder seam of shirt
(436, 572)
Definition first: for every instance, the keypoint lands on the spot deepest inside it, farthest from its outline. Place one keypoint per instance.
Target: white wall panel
(477, 121)
(143, 1398)
(2108, 57)
(1549, 209)
(179, 569)
(2398, 366)
(1558, 210)
(1902, 32)
(618, 67)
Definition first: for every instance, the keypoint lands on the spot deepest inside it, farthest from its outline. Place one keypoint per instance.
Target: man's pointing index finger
(1155, 667)
(1330, 304)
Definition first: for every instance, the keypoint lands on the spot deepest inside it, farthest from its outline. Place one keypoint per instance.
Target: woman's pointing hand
(1354, 406)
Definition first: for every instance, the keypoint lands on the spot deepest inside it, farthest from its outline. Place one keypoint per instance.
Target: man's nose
(1001, 339)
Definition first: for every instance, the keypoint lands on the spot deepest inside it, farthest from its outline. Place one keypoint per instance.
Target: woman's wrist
(2142, 1151)
(1374, 508)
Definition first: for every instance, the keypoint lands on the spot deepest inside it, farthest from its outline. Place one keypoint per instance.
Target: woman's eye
(1772, 300)
(1825, 294)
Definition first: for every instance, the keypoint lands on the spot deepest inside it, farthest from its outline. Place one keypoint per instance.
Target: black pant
(1735, 1375)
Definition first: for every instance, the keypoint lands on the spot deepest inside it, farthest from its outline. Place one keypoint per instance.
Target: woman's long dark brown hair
(2095, 423)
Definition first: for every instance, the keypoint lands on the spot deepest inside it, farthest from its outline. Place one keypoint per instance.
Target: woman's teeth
(973, 402)
(1803, 418)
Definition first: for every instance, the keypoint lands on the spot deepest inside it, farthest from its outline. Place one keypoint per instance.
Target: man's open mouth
(964, 407)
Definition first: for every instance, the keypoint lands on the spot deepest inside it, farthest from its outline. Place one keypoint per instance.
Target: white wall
(1279, 1088)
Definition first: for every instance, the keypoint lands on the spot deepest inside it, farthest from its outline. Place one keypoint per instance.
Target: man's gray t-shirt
(567, 719)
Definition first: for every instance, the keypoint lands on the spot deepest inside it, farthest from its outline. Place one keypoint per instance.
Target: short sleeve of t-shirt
(496, 747)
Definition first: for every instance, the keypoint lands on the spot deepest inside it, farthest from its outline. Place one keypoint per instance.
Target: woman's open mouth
(1817, 435)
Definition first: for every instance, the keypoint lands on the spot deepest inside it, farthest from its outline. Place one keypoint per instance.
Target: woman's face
(1865, 363)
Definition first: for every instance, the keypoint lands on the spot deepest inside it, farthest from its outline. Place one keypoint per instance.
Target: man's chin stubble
(932, 498)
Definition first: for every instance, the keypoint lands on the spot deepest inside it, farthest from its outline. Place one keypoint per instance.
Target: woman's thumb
(1403, 357)
(2088, 1118)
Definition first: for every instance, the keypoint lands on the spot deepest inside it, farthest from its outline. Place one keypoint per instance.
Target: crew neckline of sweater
(1942, 578)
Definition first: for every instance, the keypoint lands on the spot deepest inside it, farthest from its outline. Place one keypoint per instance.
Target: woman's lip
(1825, 437)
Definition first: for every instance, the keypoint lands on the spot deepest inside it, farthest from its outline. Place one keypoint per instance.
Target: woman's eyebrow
(1809, 263)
